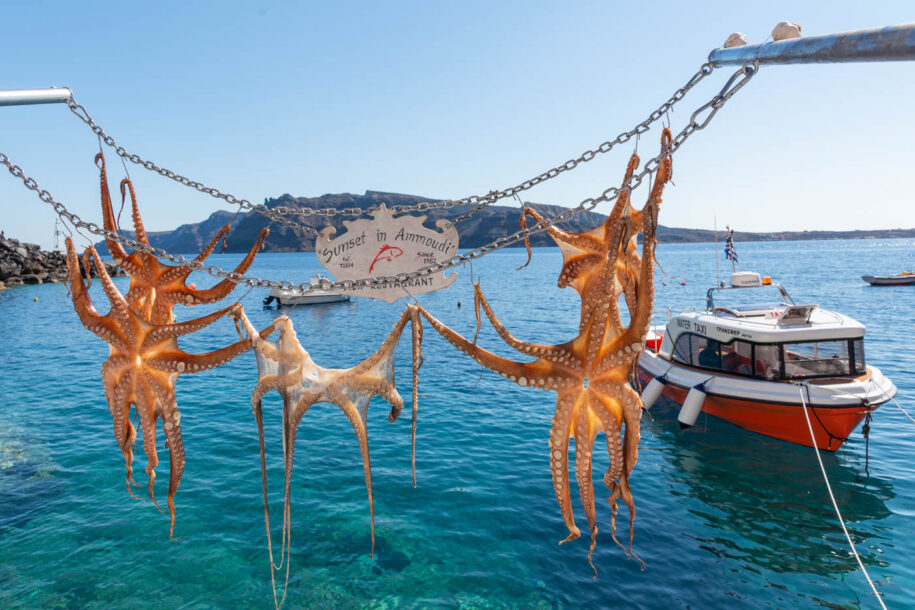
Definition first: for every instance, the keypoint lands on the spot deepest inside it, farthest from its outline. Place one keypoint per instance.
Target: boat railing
(710, 295)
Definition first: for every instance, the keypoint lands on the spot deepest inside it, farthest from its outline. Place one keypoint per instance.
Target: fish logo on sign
(386, 245)
(387, 253)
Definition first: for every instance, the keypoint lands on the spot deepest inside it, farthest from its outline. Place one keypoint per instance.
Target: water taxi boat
(900, 279)
(759, 366)
(314, 296)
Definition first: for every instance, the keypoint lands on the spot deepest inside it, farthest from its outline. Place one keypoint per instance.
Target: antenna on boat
(717, 274)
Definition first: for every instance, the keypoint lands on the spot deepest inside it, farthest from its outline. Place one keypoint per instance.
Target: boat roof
(766, 323)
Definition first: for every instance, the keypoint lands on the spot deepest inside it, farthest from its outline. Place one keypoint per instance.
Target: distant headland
(483, 227)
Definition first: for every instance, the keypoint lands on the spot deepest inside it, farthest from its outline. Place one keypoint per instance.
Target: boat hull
(889, 280)
(775, 409)
(311, 299)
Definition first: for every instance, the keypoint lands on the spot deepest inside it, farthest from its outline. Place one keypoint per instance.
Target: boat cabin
(772, 341)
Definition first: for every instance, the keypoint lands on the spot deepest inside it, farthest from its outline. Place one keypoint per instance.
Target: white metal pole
(22, 97)
(891, 43)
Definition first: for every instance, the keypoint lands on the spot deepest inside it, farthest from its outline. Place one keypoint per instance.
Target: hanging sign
(383, 246)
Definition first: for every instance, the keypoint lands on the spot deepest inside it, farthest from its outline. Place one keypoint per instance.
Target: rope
(904, 412)
(834, 504)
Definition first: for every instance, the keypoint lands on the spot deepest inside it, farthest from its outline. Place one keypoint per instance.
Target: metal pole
(891, 43)
(21, 97)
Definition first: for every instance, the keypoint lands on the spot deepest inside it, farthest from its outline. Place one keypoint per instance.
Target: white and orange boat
(759, 366)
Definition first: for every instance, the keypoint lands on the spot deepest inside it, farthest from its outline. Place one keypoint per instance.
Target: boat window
(681, 349)
(860, 365)
(737, 357)
(706, 352)
(816, 358)
(766, 363)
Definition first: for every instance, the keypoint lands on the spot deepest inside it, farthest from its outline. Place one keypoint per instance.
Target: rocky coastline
(22, 263)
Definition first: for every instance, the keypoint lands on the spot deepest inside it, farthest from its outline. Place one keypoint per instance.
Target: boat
(766, 366)
(315, 296)
(900, 279)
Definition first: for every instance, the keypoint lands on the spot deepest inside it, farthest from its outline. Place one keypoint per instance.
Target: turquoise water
(725, 517)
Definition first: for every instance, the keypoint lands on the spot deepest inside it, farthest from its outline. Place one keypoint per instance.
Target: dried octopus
(590, 373)
(141, 370)
(145, 359)
(156, 288)
(286, 367)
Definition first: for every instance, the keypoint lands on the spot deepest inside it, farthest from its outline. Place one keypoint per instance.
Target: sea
(725, 517)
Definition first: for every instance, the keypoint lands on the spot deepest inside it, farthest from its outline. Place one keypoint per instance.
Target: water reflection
(764, 500)
(26, 482)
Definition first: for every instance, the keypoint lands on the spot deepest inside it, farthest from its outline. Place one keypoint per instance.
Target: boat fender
(652, 391)
(689, 412)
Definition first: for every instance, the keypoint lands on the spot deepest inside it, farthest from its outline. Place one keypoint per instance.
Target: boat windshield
(772, 361)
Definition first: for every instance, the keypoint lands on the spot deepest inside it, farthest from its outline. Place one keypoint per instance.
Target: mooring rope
(832, 497)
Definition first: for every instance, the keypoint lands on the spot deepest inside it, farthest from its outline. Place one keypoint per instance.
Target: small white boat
(760, 366)
(900, 279)
(315, 296)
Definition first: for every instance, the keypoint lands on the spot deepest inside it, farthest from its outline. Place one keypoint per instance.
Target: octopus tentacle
(118, 303)
(176, 361)
(358, 424)
(120, 256)
(530, 349)
(284, 549)
(222, 289)
(559, 461)
(584, 442)
(417, 362)
(171, 425)
(150, 393)
(135, 211)
(611, 426)
(102, 326)
(119, 399)
(386, 347)
(519, 372)
(173, 331)
(381, 388)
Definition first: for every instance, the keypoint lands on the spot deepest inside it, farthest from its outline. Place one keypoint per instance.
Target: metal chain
(697, 122)
(479, 201)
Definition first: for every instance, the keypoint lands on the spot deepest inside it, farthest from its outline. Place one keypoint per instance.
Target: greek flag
(729, 252)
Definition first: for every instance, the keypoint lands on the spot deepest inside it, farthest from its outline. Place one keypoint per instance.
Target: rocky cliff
(483, 227)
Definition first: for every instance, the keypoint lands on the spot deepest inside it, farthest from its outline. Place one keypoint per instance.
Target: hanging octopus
(590, 373)
(285, 366)
(141, 370)
(156, 288)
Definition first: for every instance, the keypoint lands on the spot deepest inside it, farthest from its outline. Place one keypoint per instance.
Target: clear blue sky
(450, 99)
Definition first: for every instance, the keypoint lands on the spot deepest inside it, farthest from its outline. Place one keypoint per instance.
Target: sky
(450, 99)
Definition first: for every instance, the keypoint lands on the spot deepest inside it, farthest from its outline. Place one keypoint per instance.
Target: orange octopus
(141, 370)
(145, 359)
(156, 288)
(285, 366)
(590, 373)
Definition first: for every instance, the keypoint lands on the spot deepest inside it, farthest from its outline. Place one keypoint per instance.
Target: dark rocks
(27, 264)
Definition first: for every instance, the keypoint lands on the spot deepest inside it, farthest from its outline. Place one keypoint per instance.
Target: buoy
(652, 391)
(192, 286)
(36, 299)
(689, 412)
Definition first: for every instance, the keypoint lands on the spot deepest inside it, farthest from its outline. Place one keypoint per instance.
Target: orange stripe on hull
(785, 422)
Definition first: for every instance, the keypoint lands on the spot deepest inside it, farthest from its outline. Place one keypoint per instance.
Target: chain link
(734, 84)
(479, 202)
